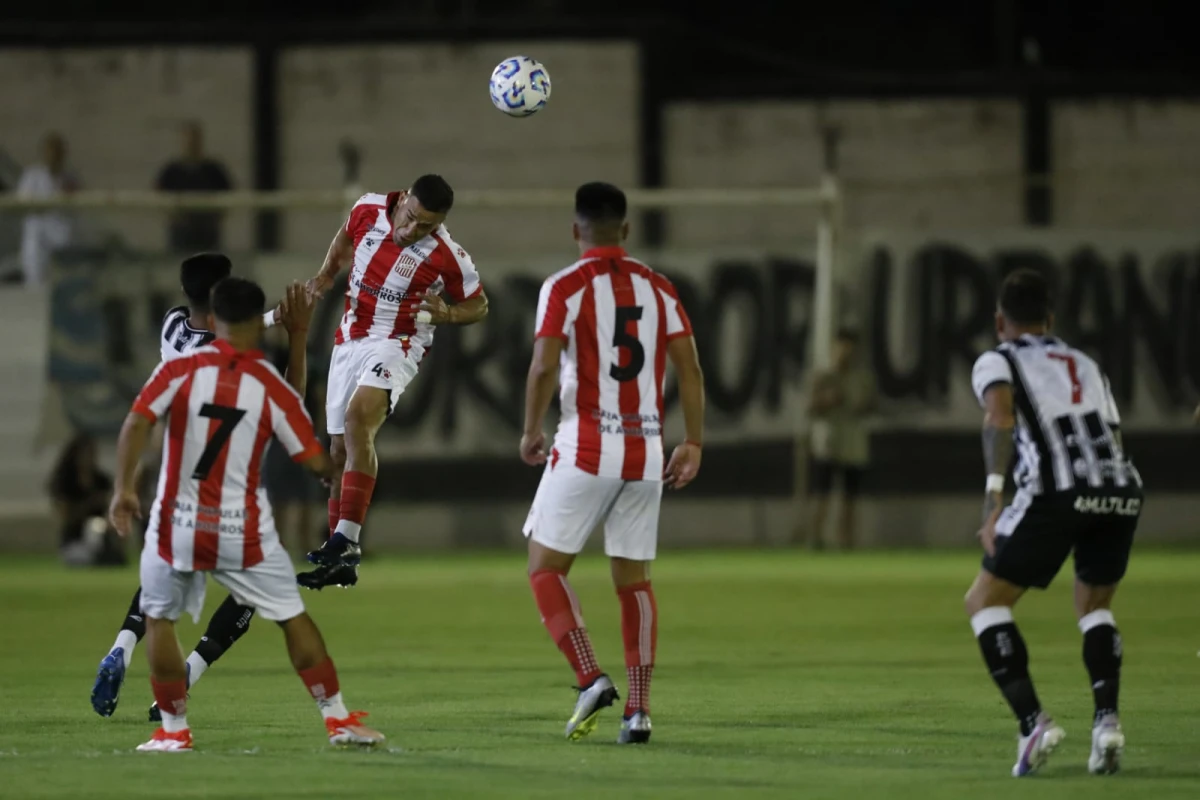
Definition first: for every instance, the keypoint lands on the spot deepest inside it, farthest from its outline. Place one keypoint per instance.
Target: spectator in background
(194, 231)
(45, 232)
(81, 492)
(294, 491)
(840, 401)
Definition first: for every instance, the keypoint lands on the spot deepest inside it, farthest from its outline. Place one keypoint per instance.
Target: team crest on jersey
(405, 266)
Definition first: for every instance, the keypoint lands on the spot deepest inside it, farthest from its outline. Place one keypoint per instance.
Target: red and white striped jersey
(222, 408)
(387, 281)
(616, 316)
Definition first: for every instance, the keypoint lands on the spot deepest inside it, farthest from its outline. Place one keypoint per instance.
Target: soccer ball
(520, 86)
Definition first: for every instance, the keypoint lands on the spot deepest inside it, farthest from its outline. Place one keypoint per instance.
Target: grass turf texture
(779, 674)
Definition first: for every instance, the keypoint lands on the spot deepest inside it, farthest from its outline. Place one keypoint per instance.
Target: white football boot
(635, 729)
(351, 731)
(163, 742)
(601, 694)
(1034, 749)
(1108, 742)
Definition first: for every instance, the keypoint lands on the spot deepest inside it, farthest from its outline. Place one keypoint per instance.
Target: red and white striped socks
(639, 629)
(560, 612)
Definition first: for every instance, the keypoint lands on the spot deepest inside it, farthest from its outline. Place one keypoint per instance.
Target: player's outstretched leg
(110, 676)
(989, 604)
(563, 619)
(168, 679)
(365, 414)
(229, 622)
(312, 663)
(639, 629)
(339, 575)
(1102, 655)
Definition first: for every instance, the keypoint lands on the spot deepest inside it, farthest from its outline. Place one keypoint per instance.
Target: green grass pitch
(779, 674)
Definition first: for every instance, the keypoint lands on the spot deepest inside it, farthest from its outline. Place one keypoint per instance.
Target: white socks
(1095, 619)
(349, 529)
(990, 617)
(126, 640)
(172, 723)
(333, 707)
(196, 666)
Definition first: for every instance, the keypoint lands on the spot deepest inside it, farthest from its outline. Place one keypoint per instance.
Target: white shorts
(269, 587)
(570, 503)
(379, 363)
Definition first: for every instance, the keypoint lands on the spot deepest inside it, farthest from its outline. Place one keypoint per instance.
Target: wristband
(693, 443)
(995, 484)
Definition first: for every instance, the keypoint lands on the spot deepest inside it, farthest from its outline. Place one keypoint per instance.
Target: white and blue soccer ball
(520, 86)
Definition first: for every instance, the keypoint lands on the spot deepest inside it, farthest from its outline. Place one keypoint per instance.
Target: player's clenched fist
(124, 509)
(533, 448)
(683, 466)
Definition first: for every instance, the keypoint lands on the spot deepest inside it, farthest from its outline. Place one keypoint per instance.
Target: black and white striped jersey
(178, 337)
(1066, 416)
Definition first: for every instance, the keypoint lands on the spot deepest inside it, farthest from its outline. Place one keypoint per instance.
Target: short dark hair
(600, 202)
(433, 193)
(236, 300)
(1025, 297)
(200, 273)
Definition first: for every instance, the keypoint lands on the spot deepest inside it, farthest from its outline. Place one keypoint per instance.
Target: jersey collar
(225, 348)
(605, 252)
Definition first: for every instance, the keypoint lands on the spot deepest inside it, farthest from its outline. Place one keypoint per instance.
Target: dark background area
(782, 45)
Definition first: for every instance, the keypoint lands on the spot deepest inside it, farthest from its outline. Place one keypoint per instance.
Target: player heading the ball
(403, 267)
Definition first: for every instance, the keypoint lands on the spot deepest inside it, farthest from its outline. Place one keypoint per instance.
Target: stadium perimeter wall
(450, 475)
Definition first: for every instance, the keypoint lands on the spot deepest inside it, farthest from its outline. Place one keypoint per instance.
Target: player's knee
(1090, 598)
(627, 572)
(543, 558)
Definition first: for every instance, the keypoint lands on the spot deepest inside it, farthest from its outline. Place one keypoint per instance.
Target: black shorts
(1035, 536)
(823, 474)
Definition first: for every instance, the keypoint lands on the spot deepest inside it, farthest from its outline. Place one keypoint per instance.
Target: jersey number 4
(1072, 373)
(228, 417)
(623, 338)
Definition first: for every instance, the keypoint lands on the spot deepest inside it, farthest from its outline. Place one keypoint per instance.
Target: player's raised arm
(339, 256)
(539, 391)
(295, 313)
(685, 460)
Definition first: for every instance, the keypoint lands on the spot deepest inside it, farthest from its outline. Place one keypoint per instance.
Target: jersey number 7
(228, 417)
(623, 338)
(1072, 373)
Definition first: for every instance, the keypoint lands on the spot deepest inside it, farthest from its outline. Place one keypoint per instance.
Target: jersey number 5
(1072, 373)
(623, 338)
(228, 417)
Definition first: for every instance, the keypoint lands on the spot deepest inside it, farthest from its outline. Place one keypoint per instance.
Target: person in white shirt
(45, 232)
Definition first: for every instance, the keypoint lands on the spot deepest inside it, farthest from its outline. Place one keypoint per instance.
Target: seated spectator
(81, 493)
